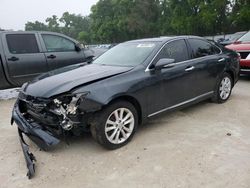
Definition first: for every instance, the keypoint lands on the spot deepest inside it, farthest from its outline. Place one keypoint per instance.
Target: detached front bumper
(38, 134)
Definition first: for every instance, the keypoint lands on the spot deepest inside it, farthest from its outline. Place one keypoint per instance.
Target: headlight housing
(70, 102)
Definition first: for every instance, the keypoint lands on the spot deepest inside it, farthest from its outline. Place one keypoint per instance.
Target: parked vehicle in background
(25, 55)
(242, 46)
(124, 87)
(232, 38)
(101, 49)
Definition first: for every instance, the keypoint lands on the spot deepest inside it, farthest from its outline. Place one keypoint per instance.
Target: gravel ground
(206, 145)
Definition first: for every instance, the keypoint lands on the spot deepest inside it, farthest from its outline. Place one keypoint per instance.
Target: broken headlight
(66, 106)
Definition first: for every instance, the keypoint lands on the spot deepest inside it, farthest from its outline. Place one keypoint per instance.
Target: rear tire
(223, 89)
(115, 125)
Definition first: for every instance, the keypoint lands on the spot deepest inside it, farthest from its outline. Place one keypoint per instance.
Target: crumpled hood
(67, 78)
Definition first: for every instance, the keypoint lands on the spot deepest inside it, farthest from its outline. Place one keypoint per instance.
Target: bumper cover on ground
(43, 138)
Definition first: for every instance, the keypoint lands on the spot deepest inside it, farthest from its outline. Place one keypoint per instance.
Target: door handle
(221, 59)
(51, 56)
(13, 58)
(188, 69)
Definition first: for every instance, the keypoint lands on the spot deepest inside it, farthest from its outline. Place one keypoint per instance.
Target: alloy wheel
(119, 125)
(225, 88)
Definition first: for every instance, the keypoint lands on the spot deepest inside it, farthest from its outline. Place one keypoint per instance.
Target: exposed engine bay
(59, 114)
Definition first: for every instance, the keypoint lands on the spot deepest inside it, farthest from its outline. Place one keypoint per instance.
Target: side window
(55, 43)
(22, 43)
(174, 50)
(216, 49)
(201, 48)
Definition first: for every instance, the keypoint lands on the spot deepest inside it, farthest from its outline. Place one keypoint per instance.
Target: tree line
(114, 21)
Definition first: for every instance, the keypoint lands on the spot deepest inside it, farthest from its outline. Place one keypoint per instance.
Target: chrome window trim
(181, 62)
(181, 104)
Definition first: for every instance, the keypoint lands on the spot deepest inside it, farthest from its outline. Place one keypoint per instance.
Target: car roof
(165, 38)
(21, 31)
(34, 32)
(162, 39)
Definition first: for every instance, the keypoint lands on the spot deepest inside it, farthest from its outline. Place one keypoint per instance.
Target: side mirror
(78, 47)
(164, 64)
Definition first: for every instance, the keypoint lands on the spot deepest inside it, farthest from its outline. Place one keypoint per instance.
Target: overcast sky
(15, 13)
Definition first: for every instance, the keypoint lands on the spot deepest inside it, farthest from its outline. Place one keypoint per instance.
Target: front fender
(90, 105)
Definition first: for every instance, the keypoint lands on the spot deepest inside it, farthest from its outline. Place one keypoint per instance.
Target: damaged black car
(121, 89)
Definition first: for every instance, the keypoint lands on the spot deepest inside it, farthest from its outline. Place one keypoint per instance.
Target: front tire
(115, 125)
(223, 89)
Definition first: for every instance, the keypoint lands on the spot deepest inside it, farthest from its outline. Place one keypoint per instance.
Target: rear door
(60, 51)
(209, 62)
(24, 57)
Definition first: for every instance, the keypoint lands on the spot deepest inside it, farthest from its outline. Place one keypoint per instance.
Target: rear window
(202, 48)
(245, 38)
(22, 43)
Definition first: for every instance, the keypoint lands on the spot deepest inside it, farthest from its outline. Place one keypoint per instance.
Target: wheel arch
(131, 100)
(232, 75)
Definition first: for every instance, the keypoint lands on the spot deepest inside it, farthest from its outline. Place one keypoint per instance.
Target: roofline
(165, 38)
(39, 32)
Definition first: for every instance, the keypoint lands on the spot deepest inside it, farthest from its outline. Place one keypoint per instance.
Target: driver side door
(176, 83)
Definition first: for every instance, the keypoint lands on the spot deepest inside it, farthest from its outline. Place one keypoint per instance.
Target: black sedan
(121, 89)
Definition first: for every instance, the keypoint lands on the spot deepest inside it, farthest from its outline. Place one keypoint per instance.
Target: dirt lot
(187, 148)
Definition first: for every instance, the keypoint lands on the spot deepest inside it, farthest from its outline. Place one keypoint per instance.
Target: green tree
(240, 15)
(164, 21)
(221, 8)
(119, 20)
(73, 24)
(143, 19)
(103, 25)
(180, 14)
(36, 26)
(199, 17)
(69, 24)
(114, 21)
(53, 24)
(84, 37)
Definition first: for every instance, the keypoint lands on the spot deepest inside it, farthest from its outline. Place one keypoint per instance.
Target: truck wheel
(223, 89)
(115, 125)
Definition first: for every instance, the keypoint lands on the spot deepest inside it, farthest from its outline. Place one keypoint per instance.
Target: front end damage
(47, 121)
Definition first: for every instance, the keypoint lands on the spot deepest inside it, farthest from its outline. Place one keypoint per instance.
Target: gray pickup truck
(25, 55)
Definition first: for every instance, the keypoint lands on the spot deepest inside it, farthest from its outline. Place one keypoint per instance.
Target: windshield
(236, 36)
(127, 54)
(245, 38)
